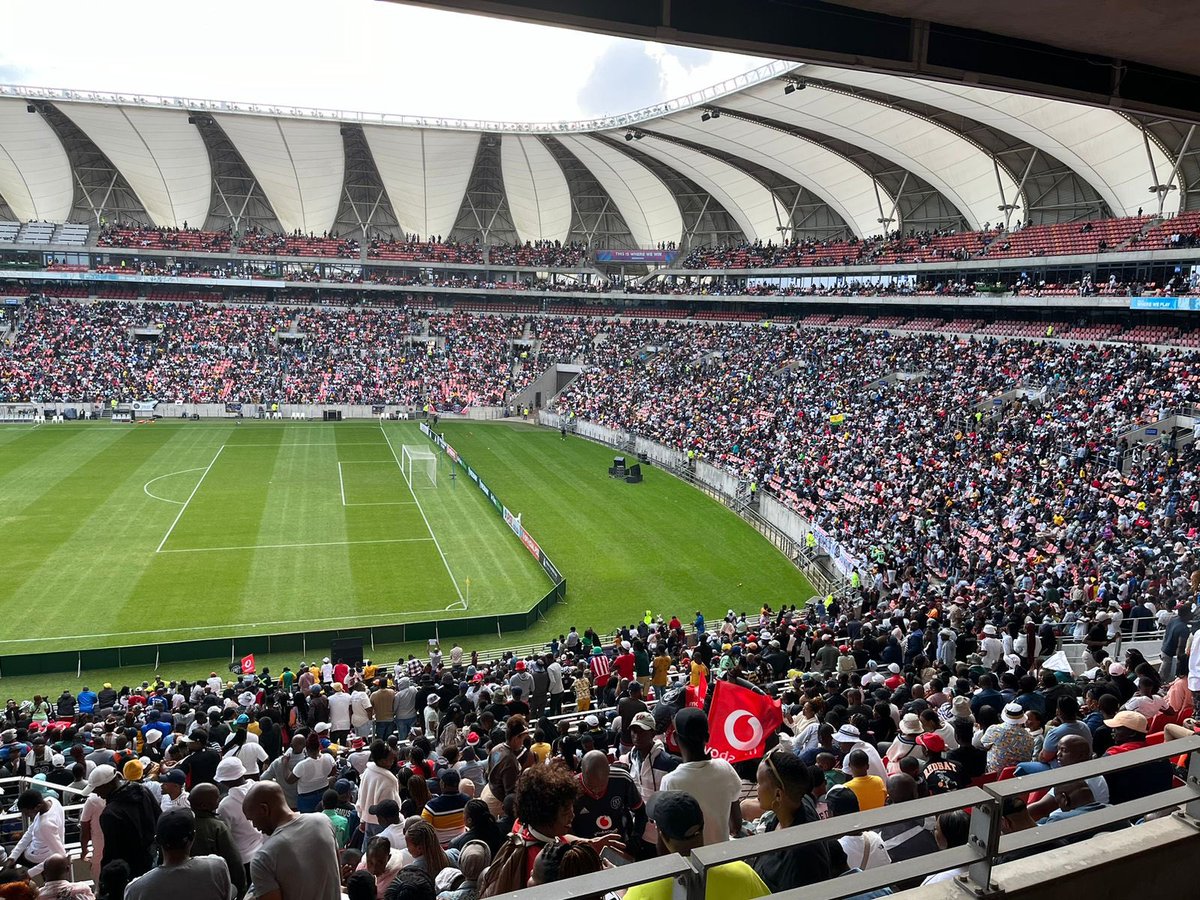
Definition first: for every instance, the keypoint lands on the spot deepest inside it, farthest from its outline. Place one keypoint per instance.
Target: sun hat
(847, 734)
(910, 723)
(1014, 713)
(230, 769)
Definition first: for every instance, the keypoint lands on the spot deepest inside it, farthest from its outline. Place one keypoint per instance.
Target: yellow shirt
(659, 669)
(369, 672)
(541, 751)
(732, 881)
(870, 791)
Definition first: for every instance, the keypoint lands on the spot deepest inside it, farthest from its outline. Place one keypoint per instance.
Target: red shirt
(340, 671)
(624, 665)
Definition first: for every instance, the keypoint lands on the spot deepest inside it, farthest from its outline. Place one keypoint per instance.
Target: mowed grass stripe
(302, 504)
(477, 543)
(98, 530)
(54, 501)
(625, 548)
(388, 576)
(181, 590)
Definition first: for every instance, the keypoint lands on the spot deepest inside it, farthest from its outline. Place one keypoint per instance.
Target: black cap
(676, 814)
(841, 801)
(175, 828)
(692, 725)
(389, 809)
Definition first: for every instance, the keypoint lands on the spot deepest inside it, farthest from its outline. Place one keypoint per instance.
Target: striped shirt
(445, 813)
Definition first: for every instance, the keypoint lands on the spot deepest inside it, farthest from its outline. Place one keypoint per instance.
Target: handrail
(984, 849)
(606, 880)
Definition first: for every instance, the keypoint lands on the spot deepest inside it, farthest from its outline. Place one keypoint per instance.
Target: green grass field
(139, 534)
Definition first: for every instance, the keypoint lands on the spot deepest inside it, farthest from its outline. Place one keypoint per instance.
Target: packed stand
(454, 777)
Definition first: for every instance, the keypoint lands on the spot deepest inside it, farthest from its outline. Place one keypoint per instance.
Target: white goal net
(419, 465)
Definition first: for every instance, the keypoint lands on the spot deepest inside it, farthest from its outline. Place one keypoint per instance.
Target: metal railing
(985, 846)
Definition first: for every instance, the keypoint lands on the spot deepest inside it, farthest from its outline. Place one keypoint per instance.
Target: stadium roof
(784, 150)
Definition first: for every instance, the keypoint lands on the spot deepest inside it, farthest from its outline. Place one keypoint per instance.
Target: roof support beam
(1162, 195)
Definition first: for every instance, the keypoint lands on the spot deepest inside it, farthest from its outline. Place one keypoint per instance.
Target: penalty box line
(306, 544)
(421, 510)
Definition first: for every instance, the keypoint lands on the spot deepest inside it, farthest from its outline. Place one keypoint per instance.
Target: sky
(354, 55)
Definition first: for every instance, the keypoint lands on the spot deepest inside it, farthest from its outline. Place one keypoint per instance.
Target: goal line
(419, 466)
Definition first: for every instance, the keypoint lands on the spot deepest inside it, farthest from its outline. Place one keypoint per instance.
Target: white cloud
(359, 55)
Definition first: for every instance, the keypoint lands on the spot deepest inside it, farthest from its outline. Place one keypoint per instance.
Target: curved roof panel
(538, 197)
(161, 156)
(645, 203)
(299, 164)
(848, 190)
(425, 173)
(958, 169)
(1101, 146)
(35, 174)
(755, 209)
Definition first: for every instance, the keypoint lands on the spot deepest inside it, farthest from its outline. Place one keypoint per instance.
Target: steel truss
(237, 200)
(484, 213)
(366, 210)
(102, 195)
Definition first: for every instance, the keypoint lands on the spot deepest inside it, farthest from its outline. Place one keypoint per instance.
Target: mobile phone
(612, 856)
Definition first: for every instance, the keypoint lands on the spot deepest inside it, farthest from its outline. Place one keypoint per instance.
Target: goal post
(419, 466)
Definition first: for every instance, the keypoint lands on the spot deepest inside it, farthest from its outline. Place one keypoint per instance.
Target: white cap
(98, 776)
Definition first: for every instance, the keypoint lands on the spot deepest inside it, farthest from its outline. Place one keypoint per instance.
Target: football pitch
(139, 534)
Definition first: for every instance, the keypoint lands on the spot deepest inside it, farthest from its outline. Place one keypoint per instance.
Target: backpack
(508, 871)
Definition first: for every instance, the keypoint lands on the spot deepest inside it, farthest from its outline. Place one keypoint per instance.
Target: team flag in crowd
(739, 722)
(248, 664)
(837, 418)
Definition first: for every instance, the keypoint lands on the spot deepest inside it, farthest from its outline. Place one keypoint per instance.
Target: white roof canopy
(161, 156)
(645, 203)
(848, 189)
(300, 166)
(538, 197)
(828, 137)
(35, 174)
(425, 174)
(960, 170)
(1101, 146)
(756, 210)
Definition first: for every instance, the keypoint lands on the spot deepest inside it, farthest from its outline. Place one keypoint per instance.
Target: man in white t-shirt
(361, 711)
(339, 714)
(991, 648)
(231, 776)
(713, 782)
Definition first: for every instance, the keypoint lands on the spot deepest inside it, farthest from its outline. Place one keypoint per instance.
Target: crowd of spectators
(978, 539)
(454, 777)
(199, 352)
(917, 468)
(551, 254)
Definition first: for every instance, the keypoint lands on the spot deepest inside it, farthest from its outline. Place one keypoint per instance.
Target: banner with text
(660, 257)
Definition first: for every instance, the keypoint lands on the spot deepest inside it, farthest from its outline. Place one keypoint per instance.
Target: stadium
(414, 506)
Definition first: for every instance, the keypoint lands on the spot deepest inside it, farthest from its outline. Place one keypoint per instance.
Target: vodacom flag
(248, 664)
(739, 721)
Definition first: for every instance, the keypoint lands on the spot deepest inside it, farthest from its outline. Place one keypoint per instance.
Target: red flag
(248, 664)
(739, 722)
